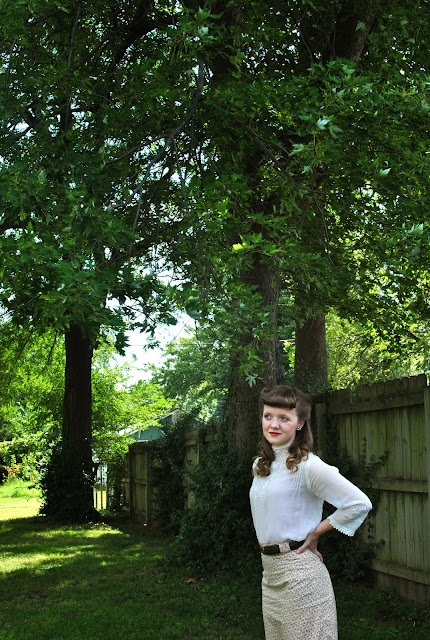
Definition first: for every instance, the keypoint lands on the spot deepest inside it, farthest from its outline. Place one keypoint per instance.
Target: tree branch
(163, 150)
(259, 141)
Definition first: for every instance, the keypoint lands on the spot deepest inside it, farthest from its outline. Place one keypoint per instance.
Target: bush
(67, 490)
(216, 530)
(349, 558)
(168, 475)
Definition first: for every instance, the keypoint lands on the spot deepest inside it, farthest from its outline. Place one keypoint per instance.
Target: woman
(289, 487)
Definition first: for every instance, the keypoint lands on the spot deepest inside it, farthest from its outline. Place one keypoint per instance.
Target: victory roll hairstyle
(285, 397)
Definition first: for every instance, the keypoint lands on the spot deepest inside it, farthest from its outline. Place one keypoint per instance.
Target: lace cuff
(349, 525)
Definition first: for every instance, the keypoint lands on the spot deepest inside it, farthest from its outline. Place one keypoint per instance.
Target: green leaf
(251, 380)
(297, 148)
(334, 130)
(322, 122)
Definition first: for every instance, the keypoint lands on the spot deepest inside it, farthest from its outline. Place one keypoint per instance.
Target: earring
(299, 428)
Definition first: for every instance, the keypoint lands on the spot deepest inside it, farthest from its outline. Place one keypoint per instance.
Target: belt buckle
(271, 549)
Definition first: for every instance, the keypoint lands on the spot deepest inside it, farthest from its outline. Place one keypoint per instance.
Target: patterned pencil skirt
(297, 597)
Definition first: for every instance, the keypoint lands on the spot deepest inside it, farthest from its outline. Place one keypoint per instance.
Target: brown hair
(285, 397)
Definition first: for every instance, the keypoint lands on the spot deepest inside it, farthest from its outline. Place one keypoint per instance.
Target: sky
(138, 354)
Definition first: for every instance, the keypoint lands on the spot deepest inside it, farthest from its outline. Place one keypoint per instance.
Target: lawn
(108, 581)
(17, 500)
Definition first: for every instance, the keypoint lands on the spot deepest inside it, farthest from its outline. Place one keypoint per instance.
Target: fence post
(131, 481)
(427, 431)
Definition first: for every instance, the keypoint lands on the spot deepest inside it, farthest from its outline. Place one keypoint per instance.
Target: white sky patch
(139, 354)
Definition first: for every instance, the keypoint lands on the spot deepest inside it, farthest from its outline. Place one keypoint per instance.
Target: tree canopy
(261, 150)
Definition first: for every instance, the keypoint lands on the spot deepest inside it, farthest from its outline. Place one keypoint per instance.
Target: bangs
(281, 397)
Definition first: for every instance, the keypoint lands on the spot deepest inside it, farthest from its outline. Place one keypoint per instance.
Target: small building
(154, 431)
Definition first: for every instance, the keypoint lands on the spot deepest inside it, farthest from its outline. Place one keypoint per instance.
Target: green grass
(17, 500)
(107, 582)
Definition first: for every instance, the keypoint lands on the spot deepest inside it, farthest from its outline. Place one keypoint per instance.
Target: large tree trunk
(310, 364)
(78, 501)
(67, 484)
(77, 434)
(243, 403)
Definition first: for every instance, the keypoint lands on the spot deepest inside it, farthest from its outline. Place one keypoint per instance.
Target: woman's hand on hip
(312, 538)
(311, 543)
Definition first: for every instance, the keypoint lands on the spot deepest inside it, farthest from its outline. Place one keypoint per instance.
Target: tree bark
(77, 396)
(310, 365)
(243, 403)
(345, 41)
(77, 428)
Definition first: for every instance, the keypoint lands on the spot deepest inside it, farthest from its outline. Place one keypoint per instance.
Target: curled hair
(285, 397)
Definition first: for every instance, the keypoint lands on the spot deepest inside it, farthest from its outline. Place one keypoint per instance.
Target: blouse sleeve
(352, 505)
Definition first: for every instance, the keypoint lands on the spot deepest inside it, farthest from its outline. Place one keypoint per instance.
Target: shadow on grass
(106, 582)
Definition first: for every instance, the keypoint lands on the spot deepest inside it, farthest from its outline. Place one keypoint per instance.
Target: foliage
(25, 455)
(117, 408)
(216, 529)
(195, 370)
(62, 482)
(72, 146)
(359, 354)
(32, 379)
(168, 475)
(348, 558)
(31, 389)
(305, 178)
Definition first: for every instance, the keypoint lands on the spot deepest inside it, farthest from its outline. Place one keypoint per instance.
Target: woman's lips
(274, 433)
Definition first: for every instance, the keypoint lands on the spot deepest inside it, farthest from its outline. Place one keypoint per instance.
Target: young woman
(289, 487)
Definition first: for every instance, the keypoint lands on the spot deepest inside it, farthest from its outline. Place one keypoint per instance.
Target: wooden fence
(138, 491)
(393, 416)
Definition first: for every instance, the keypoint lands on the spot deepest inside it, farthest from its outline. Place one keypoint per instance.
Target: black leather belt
(274, 549)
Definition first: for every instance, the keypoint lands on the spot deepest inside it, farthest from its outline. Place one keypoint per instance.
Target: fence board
(394, 415)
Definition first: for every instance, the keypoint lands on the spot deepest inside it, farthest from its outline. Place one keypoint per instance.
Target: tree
(194, 371)
(306, 185)
(91, 103)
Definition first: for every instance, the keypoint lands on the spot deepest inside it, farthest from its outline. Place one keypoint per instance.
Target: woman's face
(279, 425)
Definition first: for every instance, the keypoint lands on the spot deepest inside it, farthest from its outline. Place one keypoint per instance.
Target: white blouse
(287, 505)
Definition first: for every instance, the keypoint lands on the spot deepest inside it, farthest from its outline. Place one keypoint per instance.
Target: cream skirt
(298, 598)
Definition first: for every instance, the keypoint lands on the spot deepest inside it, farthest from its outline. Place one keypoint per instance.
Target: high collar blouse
(287, 505)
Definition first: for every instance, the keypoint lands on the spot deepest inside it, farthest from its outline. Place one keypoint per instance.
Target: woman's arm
(312, 538)
(352, 505)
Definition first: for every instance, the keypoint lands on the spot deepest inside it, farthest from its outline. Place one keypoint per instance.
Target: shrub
(349, 558)
(67, 490)
(215, 530)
